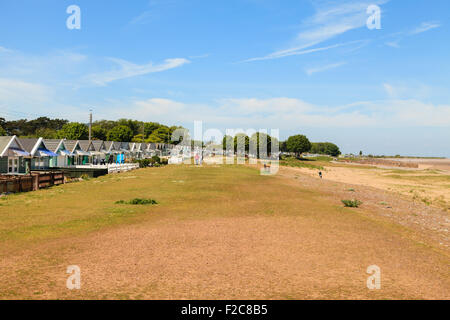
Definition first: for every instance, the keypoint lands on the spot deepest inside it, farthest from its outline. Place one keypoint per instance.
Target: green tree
(262, 141)
(332, 150)
(105, 124)
(327, 148)
(239, 138)
(154, 139)
(99, 133)
(138, 138)
(298, 144)
(160, 135)
(2, 132)
(74, 131)
(46, 133)
(120, 133)
(134, 125)
(228, 139)
(149, 127)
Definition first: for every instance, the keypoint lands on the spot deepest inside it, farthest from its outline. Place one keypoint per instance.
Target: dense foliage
(32, 128)
(154, 161)
(73, 131)
(125, 130)
(257, 140)
(325, 148)
(298, 144)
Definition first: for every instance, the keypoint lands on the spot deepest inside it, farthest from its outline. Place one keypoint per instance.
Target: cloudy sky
(303, 66)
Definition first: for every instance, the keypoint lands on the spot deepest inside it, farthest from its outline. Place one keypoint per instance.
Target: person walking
(197, 157)
(320, 174)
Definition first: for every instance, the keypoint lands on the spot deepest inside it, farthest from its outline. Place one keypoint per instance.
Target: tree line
(296, 144)
(125, 130)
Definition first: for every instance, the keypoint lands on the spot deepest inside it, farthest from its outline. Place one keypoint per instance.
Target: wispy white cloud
(289, 113)
(201, 56)
(425, 26)
(19, 92)
(408, 90)
(286, 53)
(329, 21)
(311, 71)
(5, 50)
(152, 11)
(128, 70)
(398, 36)
(393, 44)
(73, 70)
(143, 18)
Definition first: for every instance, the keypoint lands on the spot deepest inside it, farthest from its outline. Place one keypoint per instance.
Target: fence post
(35, 182)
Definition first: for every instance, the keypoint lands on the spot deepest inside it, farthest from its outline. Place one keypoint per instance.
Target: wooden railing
(13, 184)
(30, 182)
(115, 168)
(48, 179)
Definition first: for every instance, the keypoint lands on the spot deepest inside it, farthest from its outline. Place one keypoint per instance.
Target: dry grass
(217, 232)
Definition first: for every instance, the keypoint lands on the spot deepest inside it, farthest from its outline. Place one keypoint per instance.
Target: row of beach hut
(21, 155)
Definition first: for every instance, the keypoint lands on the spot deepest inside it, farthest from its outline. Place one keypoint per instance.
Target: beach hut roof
(99, 145)
(53, 144)
(11, 143)
(28, 143)
(36, 147)
(86, 145)
(71, 145)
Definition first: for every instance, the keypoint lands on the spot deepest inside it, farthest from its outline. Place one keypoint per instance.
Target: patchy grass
(302, 163)
(352, 203)
(421, 178)
(138, 201)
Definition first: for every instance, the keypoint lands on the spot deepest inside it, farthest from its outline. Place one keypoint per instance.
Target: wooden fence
(31, 182)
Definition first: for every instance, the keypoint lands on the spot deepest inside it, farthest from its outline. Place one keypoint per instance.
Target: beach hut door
(13, 165)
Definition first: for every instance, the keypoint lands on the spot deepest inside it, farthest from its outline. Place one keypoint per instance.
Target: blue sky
(304, 66)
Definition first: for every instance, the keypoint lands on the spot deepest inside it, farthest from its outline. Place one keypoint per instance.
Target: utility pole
(90, 125)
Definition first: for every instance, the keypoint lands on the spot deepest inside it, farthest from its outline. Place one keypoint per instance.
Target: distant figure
(197, 157)
(320, 174)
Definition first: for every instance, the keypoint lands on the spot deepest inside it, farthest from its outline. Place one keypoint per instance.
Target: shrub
(155, 159)
(352, 203)
(143, 163)
(85, 177)
(138, 201)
